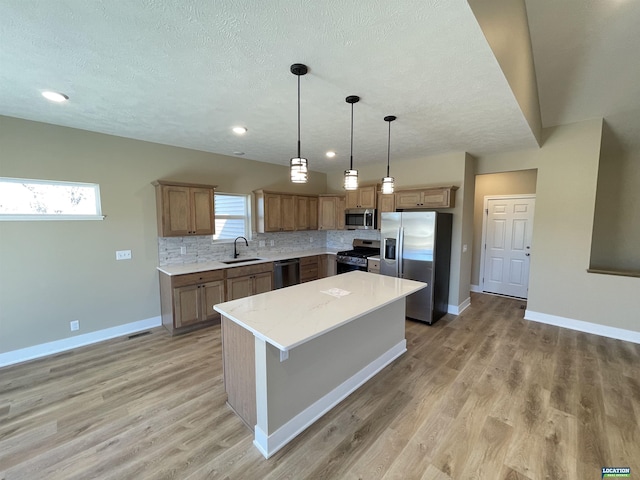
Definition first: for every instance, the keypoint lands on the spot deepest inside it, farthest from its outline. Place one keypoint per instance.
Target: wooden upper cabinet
(184, 209)
(288, 213)
(440, 197)
(313, 213)
(386, 203)
(272, 216)
(202, 211)
(341, 205)
(283, 212)
(331, 212)
(363, 197)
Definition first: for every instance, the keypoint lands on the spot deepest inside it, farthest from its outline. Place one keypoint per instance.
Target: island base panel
(293, 394)
(238, 350)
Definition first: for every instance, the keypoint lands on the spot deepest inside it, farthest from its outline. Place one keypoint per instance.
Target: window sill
(27, 218)
(620, 273)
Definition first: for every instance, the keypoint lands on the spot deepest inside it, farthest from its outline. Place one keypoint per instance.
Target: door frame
(483, 246)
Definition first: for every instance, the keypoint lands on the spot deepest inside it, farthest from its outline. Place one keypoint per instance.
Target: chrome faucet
(235, 248)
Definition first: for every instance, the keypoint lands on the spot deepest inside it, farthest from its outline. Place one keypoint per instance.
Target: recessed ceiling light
(239, 130)
(238, 153)
(331, 154)
(55, 96)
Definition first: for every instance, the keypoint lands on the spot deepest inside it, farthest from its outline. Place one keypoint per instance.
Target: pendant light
(351, 175)
(387, 182)
(299, 166)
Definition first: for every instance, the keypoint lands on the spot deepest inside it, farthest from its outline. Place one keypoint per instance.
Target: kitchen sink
(241, 260)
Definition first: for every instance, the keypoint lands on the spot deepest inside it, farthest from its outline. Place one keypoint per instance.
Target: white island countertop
(291, 316)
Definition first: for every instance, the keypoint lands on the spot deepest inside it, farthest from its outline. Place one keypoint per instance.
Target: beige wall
(616, 228)
(449, 169)
(52, 272)
(565, 202)
(507, 183)
(505, 26)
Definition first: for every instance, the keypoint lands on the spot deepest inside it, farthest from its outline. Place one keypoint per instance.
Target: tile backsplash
(343, 239)
(201, 248)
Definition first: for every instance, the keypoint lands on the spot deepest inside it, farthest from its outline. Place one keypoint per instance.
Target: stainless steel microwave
(360, 219)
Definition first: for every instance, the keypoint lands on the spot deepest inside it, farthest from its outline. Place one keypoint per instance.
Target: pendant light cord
(351, 164)
(388, 148)
(299, 116)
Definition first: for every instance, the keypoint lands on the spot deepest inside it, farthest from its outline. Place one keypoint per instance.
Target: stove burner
(358, 256)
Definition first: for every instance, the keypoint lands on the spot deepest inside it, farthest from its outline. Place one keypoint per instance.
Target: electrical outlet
(464, 248)
(310, 239)
(123, 255)
(74, 325)
(183, 250)
(272, 243)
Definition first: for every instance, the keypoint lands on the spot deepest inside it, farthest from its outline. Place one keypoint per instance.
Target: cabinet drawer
(309, 273)
(249, 270)
(195, 278)
(373, 266)
(312, 260)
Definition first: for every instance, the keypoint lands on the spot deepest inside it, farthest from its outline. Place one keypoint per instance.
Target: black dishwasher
(286, 273)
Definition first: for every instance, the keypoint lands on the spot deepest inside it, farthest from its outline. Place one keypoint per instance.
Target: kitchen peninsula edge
(291, 355)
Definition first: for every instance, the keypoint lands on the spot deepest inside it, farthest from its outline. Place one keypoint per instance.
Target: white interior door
(508, 230)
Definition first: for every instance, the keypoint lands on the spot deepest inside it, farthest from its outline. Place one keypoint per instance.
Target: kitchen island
(290, 355)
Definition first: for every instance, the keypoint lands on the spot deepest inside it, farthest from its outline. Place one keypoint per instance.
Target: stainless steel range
(356, 259)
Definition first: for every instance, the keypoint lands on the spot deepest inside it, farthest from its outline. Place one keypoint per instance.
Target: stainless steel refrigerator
(417, 246)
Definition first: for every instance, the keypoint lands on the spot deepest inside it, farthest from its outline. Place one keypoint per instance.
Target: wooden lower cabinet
(187, 300)
(309, 268)
(327, 265)
(250, 280)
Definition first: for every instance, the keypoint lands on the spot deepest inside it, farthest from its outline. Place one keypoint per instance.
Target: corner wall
(561, 290)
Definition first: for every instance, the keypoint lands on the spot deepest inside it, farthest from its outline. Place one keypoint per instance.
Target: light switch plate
(123, 255)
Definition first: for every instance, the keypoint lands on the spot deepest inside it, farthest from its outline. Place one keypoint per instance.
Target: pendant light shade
(388, 181)
(299, 167)
(351, 175)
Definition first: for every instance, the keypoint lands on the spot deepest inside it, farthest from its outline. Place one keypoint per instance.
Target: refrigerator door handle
(400, 252)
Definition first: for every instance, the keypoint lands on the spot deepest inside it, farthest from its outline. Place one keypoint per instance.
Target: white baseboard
(270, 444)
(475, 288)
(57, 346)
(458, 309)
(587, 327)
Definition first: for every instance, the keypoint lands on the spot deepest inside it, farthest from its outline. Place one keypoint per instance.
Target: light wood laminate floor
(482, 395)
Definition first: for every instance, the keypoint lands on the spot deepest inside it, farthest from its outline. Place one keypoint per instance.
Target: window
(231, 216)
(24, 199)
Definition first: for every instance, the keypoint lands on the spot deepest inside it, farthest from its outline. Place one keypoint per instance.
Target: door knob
(527, 254)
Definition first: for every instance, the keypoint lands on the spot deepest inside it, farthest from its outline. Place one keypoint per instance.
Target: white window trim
(247, 217)
(10, 217)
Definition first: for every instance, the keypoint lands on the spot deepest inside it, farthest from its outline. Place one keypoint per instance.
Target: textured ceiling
(184, 72)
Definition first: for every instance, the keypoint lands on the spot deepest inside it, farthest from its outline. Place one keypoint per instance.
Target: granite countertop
(291, 316)
(263, 258)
